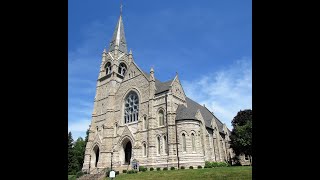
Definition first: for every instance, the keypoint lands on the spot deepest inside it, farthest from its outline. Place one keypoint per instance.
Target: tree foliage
(76, 151)
(87, 136)
(241, 135)
(72, 159)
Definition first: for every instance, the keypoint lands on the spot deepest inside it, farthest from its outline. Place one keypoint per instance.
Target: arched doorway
(96, 153)
(127, 152)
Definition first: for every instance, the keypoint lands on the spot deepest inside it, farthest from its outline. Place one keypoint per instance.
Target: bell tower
(114, 64)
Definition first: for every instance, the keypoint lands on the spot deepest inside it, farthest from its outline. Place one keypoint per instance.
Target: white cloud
(78, 128)
(225, 92)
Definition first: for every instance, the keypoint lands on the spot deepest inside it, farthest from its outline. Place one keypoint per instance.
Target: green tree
(78, 152)
(241, 135)
(87, 136)
(72, 160)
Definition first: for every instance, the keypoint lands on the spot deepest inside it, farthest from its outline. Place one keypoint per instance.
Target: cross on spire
(121, 7)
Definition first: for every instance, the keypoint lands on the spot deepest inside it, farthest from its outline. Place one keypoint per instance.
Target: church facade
(136, 116)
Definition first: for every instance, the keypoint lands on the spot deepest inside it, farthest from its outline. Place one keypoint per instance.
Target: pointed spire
(118, 38)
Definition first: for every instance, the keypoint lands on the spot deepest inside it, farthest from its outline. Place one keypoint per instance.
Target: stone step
(123, 167)
(92, 177)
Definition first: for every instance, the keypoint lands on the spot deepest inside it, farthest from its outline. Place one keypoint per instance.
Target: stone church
(137, 117)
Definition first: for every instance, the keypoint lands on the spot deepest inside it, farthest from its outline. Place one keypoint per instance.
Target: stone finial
(130, 52)
(104, 54)
(152, 74)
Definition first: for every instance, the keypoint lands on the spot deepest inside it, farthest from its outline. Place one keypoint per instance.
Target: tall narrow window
(131, 108)
(193, 143)
(161, 118)
(158, 138)
(184, 148)
(108, 68)
(144, 149)
(122, 69)
(164, 144)
(144, 122)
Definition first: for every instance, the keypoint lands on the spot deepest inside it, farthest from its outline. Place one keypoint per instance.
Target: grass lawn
(237, 172)
(72, 177)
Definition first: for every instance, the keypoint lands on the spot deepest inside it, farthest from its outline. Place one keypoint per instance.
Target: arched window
(161, 118)
(108, 68)
(184, 148)
(131, 107)
(193, 142)
(158, 138)
(144, 149)
(122, 69)
(145, 122)
(164, 144)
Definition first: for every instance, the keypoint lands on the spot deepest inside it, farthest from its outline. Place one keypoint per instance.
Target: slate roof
(190, 111)
(161, 86)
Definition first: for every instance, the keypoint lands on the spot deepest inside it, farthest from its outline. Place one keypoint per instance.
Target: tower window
(145, 122)
(108, 68)
(131, 108)
(144, 149)
(122, 69)
(161, 118)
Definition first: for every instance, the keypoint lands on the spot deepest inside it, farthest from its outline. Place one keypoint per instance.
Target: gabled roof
(190, 111)
(161, 86)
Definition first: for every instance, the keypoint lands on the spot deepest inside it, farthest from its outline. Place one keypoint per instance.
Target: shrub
(182, 167)
(107, 173)
(124, 171)
(207, 164)
(141, 168)
(151, 169)
(190, 167)
(214, 164)
(172, 168)
(144, 169)
(165, 168)
(117, 172)
(199, 167)
(158, 169)
(131, 171)
(79, 174)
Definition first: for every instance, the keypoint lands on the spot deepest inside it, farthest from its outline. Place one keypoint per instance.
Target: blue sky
(208, 42)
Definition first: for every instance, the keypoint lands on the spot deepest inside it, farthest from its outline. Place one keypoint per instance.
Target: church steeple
(118, 38)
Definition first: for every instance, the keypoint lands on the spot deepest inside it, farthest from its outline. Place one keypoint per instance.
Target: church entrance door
(127, 152)
(96, 151)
